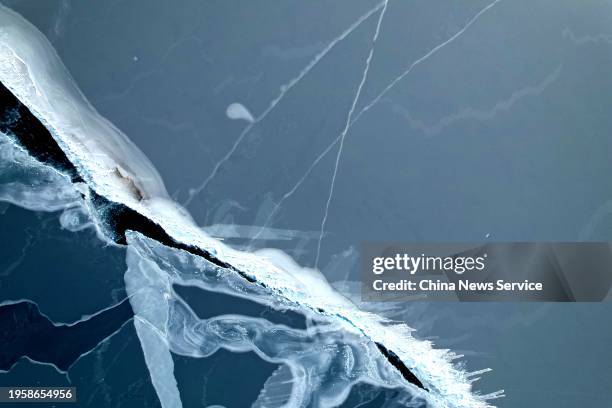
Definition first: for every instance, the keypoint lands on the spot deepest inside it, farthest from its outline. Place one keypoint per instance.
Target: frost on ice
(355, 345)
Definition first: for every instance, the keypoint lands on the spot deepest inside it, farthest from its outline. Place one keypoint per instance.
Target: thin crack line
(423, 58)
(331, 146)
(193, 192)
(364, 77)
(594, 39)
(478, 114)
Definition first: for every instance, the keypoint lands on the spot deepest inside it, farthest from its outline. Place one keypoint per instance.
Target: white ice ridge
(112, 166)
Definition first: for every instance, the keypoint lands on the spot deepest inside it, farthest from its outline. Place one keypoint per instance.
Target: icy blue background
(502, 135)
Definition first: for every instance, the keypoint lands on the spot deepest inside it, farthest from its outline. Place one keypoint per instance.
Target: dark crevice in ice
(401, 367)
(119, 218)
(26, 332)
(18, 122)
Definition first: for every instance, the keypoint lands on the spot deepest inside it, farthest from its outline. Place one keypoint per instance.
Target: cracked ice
(345, 341)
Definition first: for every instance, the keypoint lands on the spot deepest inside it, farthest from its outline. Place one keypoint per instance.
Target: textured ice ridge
(369, 348)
